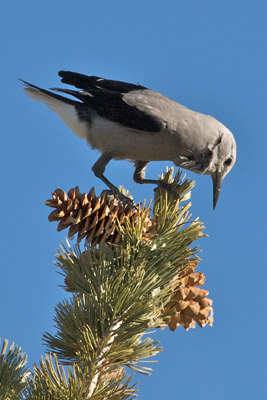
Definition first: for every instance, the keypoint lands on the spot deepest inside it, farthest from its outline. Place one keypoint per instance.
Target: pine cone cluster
(189, 301)
(92, 217)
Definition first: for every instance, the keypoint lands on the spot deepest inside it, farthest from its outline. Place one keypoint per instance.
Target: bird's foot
(117, 194)
(169, 187)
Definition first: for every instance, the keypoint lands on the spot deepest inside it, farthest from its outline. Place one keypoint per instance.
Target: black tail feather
(51, 94)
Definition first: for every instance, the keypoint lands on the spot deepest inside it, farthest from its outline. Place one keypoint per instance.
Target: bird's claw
(120, 196)
(169, 187)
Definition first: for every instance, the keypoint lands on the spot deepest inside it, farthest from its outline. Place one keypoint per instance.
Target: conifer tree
(135, 273)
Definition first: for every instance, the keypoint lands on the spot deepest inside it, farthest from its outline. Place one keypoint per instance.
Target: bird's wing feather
(85, 82)
(112, 106)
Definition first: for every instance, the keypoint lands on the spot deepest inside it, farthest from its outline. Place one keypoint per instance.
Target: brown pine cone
(190, 303)
(92, 217)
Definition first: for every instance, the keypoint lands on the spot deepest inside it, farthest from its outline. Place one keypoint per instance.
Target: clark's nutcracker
(127, 121)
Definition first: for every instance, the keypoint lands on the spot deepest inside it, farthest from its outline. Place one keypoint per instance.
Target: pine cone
(92, 217)
(189, 301)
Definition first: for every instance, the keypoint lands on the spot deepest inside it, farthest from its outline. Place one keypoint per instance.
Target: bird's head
(222, 161)
(216, 158)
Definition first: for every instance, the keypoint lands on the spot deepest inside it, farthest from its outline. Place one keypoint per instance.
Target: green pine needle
(13, 372)
(117, 296)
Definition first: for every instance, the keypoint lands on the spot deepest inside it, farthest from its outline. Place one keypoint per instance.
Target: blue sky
(208, 55)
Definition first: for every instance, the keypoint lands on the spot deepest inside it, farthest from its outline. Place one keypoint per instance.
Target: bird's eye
(228, 161)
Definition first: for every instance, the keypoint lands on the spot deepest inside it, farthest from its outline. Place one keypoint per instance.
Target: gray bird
(127, 121)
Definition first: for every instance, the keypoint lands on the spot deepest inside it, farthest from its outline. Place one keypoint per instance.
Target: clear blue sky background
(208, 55)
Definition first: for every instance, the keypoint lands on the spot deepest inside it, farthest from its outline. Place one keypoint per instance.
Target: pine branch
(54, 382)
(13, 372)
(121, 291)
(135, 273)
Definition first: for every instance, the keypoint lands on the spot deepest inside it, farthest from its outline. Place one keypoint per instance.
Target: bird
(126, 121)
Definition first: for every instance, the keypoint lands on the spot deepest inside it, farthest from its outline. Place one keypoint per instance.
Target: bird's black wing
(111, 105)
(85, 82)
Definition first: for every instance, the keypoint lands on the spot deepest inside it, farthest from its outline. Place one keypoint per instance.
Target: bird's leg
(140, 173)
(139, 177)
(99, 169)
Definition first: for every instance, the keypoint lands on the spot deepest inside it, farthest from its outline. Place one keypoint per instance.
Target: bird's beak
(217, 179)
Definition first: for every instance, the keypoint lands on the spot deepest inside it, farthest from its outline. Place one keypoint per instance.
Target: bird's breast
(126, 143)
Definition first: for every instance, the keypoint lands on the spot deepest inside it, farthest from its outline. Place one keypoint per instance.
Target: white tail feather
(64, 110)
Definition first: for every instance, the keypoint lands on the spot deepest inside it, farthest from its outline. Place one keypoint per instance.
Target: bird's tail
(45, 96)
(64, 107)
